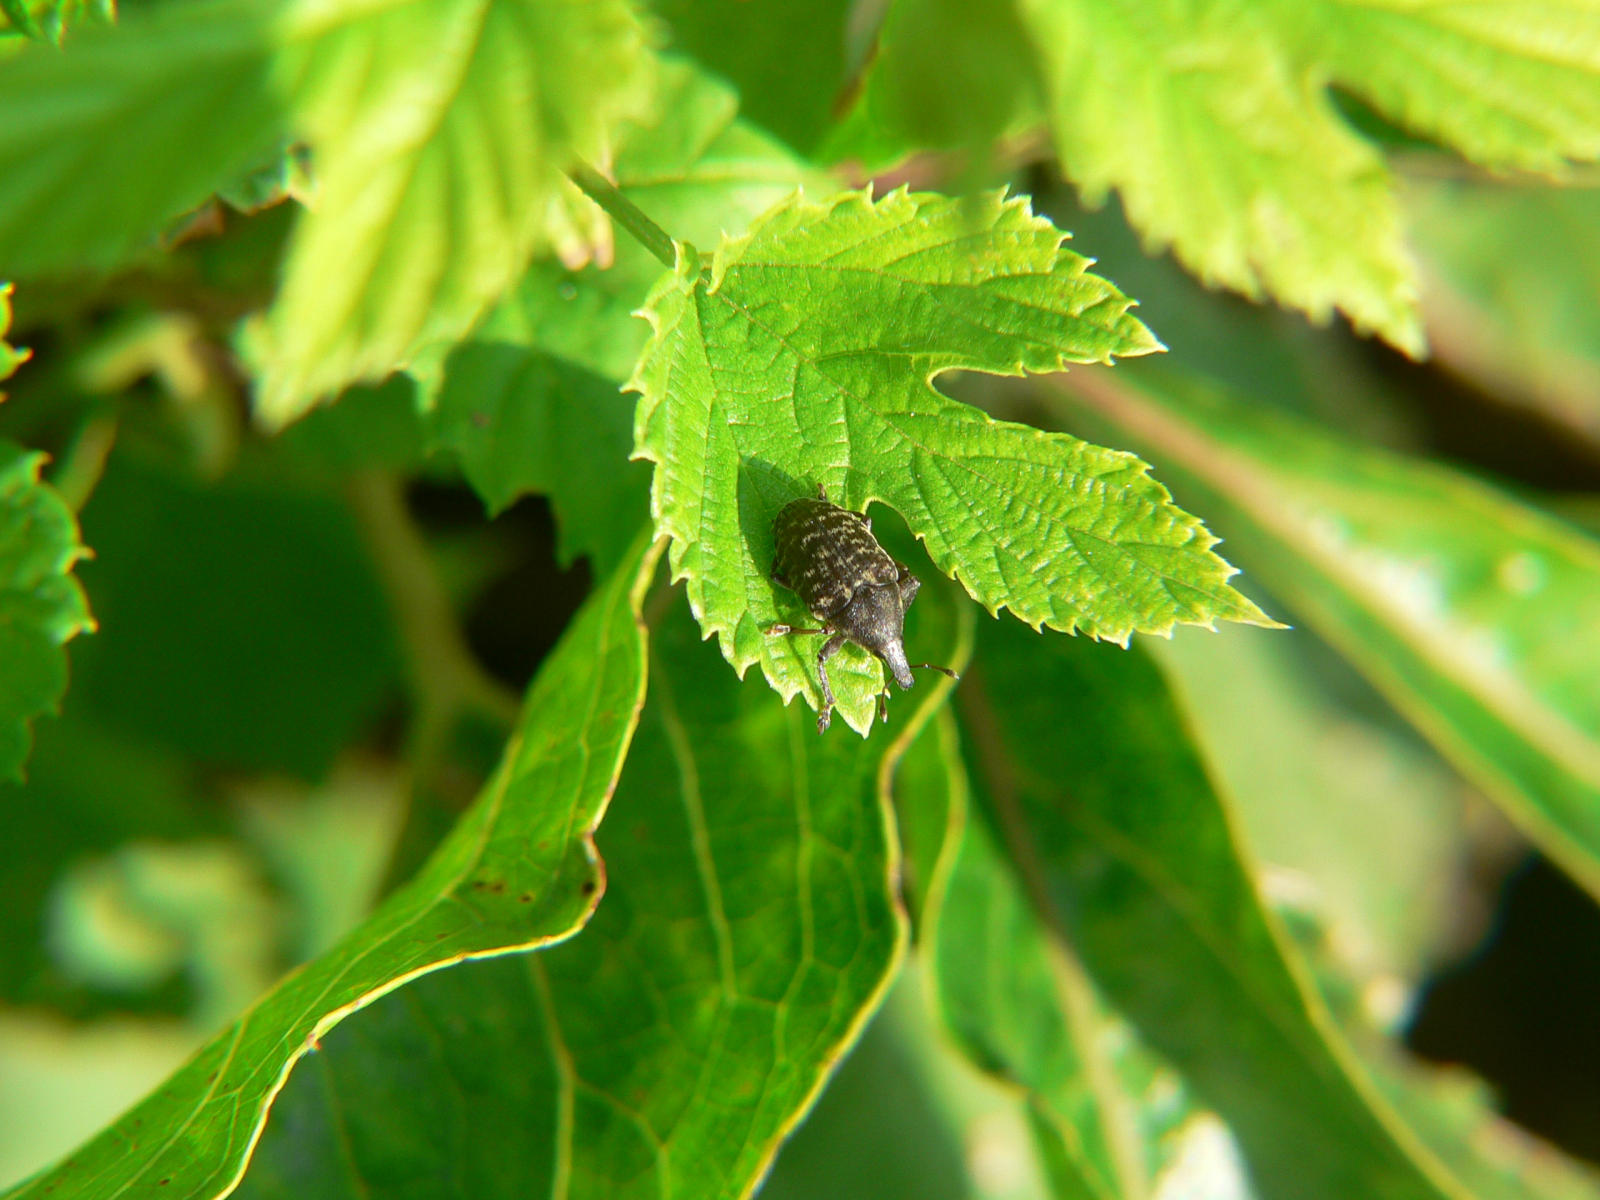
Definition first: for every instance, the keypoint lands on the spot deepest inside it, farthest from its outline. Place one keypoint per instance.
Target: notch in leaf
(804, 353)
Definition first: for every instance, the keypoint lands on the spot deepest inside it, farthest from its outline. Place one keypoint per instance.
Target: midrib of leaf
(566, 1073)
(704, 863)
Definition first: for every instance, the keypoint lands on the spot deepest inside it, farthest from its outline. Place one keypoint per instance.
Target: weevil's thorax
(875, 620)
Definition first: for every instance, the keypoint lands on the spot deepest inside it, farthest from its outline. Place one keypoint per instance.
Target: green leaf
(1225, 149)
(885, 1128)
(1083, 765)
(524, 421)
(804, 356)
(42, 606)
(439, 134)
(749, 929)
(1476, 615)
(441, 131)
(520, 870)
(108, 139)
(49, 20)
(923, 93)
(1512, 273)
(1109, 1120)
(1213, 122)
(532, 400)
(11, 357)
(1509, 85)
(1366, 819)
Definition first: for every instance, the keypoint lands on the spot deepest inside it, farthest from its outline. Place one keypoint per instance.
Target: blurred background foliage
(311, 647)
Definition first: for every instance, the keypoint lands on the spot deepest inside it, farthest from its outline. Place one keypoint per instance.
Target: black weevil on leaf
(829, 558)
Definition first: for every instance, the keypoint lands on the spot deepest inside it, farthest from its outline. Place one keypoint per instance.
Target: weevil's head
(875, 619)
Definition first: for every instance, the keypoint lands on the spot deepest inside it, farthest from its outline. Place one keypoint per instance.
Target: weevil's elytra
(829, 558)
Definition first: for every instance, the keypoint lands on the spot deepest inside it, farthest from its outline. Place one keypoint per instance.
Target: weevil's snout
(873, 620)
(894, 656)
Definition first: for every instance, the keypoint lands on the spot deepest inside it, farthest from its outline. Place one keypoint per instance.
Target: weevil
(828, 557)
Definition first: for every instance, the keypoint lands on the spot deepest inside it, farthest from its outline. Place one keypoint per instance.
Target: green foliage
(1021, 1008)
(49, 20)
(531, 400)
(1513, 273)
(1212, 121)
(519, 871)
(671, 1046)
(788, 61)
(1138, 852)
(42, 606)
(804, 355)
(440, 133)
(1124, 922)
(201, 643)
(1474, 613)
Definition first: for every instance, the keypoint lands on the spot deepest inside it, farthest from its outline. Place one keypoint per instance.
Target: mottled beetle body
(829, 558)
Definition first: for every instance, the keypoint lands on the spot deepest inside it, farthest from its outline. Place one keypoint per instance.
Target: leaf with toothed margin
(804, 352)
(42, 605)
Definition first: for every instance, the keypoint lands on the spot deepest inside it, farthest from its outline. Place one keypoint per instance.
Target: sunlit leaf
(748, 930)
(438, 132)
(520, 870)
(1213, 122)
(803, 357)
(532, 400)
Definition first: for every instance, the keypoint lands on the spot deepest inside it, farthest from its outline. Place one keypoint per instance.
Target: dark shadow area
(518, 616)
(1523, 1010)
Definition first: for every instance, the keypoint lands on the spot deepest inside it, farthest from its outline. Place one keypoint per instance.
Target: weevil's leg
(934, 667)
(822, 493)
(829, 649)
(786, 630)
(883, 706)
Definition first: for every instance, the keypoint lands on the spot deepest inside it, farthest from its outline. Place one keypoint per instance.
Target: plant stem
(625, 213)
(445, 678)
